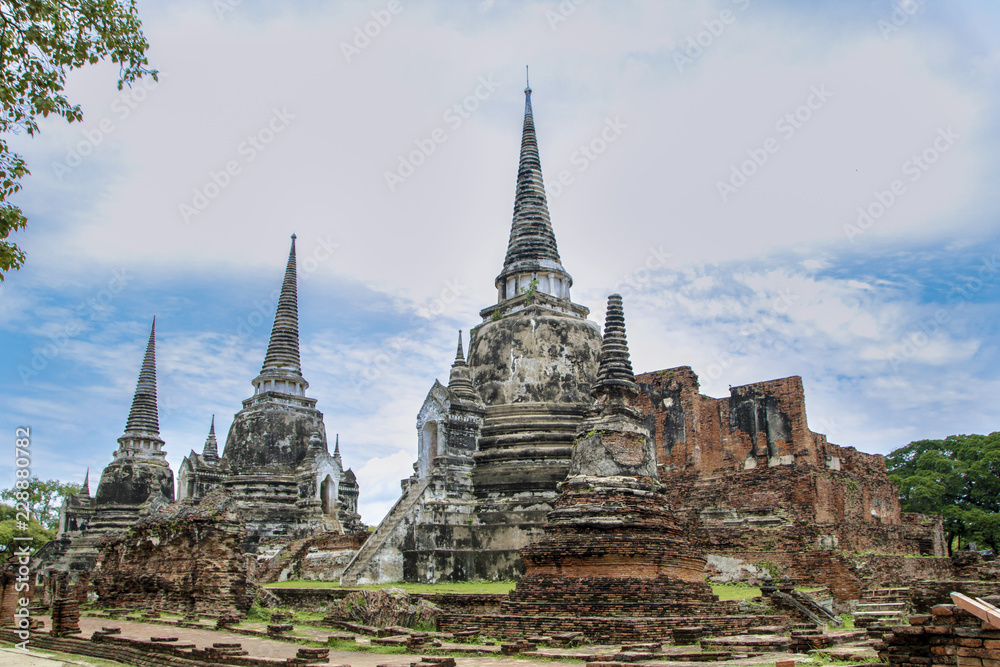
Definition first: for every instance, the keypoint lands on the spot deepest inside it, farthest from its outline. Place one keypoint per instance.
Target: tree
(11, 527)
(957, 478)
(43, 502)
(44, 499)
(40, 42)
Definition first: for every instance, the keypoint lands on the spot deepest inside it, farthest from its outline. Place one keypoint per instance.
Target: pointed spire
(283, 348)
(531, 235)
(85, 490)
(336, 451)
(143, 418)
(282, 371)
(459, 382)
(616, 369)
(211, 450)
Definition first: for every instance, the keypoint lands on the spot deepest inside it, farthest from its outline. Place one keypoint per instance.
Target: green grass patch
(735, 591)
(470, 587)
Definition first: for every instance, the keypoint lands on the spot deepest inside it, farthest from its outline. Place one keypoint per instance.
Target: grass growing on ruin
(735, 591)
(470, 587)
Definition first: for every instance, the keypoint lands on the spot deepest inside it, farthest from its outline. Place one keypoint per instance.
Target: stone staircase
(882, 606)
(359, 565)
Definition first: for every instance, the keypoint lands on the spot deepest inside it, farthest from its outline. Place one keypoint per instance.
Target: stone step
(887, 614)
(882, 605)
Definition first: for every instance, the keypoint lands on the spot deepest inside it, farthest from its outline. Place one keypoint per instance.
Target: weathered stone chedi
(745, 474)
(280, 480)
(490, 458)
(613, 562)
(136, 482)
(276, 464)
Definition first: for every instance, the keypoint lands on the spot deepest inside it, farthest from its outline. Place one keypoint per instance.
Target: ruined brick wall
(747, 475)
(602, 629)
(925, 594)
(881, 570)
(184, 559)
(948, 635)
(9, 595)
(290, 561)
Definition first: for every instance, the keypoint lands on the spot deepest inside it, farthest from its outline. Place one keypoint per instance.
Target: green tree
(11, 527)
(43, 499)
(40, 42)
(957, 478)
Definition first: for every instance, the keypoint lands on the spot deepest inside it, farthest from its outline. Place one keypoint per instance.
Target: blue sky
(708, 160)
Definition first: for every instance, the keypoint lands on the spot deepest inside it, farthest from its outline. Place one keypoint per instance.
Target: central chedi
(494, 443)
(613, 563)
(533, 362)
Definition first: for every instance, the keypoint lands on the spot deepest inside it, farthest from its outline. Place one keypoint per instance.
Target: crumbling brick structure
(754, 483)
(185, 559)
(10, 596)
(948, 635)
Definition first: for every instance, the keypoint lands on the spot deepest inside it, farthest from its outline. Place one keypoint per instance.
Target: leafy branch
(40, 42)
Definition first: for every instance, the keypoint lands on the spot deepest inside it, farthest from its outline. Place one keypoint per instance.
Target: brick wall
(602, 629)
(946, 636)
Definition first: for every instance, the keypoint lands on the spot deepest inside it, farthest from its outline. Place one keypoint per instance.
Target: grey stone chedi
(276, 467)
(137, 482)
(497, 440)
(276, 463)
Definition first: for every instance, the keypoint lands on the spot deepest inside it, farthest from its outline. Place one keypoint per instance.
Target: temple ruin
(757, 490)
(276, 473)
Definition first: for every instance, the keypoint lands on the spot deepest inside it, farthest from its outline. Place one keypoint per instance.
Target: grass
(471, 587)
(735, 591)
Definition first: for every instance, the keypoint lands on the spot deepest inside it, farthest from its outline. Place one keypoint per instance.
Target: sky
(775, 188)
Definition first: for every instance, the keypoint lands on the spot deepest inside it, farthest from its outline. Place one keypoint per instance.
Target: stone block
(963, 661)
